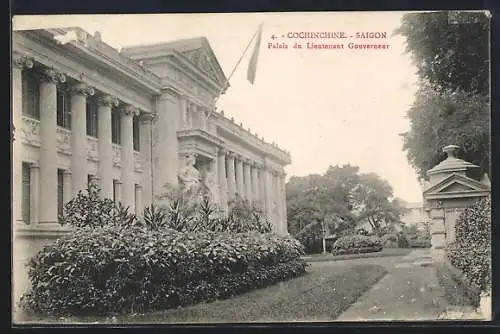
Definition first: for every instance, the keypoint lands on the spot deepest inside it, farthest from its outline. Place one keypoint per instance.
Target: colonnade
(44, 172)
(252, 181)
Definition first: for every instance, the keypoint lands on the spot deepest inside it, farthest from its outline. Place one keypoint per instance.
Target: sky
(325, 106)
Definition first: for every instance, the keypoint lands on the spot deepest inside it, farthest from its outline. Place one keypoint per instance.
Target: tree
(374, 203)
(451, 53)
(316, 199)
(437, 120)
(450, 49)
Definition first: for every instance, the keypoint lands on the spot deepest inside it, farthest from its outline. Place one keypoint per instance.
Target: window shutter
(26, 193)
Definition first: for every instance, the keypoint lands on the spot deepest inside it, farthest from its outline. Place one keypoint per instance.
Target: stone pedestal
(447, 193)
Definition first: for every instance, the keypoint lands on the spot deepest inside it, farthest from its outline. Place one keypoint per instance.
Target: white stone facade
(84, 111)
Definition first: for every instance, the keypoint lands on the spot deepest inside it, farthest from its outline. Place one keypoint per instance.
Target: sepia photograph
(251, 168)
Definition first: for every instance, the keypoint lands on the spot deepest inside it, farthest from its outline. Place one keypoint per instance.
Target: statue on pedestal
(189, 178)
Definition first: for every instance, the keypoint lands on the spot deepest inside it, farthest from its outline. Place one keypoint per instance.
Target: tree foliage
(449, 49)
(374, 203)
(451, 53)
(336, 201)
(439, 120)
(317, 201)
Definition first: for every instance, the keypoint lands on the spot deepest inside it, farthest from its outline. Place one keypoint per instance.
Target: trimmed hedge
(471, 252)
(420, 244)
(360, 250)
(112, 269)
(357, 241)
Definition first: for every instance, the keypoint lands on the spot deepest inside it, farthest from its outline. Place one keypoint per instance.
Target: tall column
(190, 114)
(127, 154)
(119, 191)
(268, 196)
(105, 169)
(165, 143)
(231, 175)
(283, 203)
(202, 113)
(184, 112)
(79, 93)
(262, 187)
(255, 183)
(247, 180)
(239, 177)
(48, 150)
(18, 64)
(221, 160)
(279, 202)
(146, 154)
(34, 194)
(139, 206)
(276, 202)
(213, 170)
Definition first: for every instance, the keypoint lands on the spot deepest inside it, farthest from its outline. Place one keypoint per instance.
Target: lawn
(321, 295)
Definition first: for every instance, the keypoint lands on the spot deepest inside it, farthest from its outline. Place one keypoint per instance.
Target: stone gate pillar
(449, 190)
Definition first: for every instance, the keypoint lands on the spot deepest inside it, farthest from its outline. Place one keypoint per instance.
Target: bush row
(420, 244)
(357, 241)
(113, 269)
(360, 250)
(471, 252)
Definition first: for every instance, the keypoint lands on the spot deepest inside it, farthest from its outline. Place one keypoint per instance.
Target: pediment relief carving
(202, 60)
(456, 184)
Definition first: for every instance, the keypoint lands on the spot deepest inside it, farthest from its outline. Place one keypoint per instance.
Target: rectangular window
(63, 108)
(136, 133)
(31, 94)
(60, 192)
(90, 180)
(26, 192)
(115, 191)
(91, 111)
(115, 126)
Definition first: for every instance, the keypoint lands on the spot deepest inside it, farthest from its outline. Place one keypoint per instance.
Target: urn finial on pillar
(451, 150)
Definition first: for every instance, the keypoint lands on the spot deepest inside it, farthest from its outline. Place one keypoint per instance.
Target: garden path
(409, 291)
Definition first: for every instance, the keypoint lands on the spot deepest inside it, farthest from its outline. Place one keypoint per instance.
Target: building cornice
(102, 54)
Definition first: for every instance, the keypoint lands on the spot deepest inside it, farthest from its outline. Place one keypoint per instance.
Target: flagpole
(238, 63)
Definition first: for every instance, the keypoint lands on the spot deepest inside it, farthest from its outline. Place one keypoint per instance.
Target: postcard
(251, 167)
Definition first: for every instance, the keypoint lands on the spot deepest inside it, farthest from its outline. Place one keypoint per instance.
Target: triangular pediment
(199, 52)
(196, 52)
(456, 185)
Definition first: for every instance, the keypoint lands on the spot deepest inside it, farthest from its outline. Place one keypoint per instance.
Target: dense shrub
(471, 251)
(113, 269)
(89, 209)
(357, 241)
(390, 240)
(397, 240)
(359, 250)
(419, 244)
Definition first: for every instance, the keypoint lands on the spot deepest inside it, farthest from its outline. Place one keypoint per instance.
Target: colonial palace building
(84, 112)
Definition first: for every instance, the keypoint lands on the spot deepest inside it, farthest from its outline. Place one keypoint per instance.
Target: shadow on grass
(321, 295)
